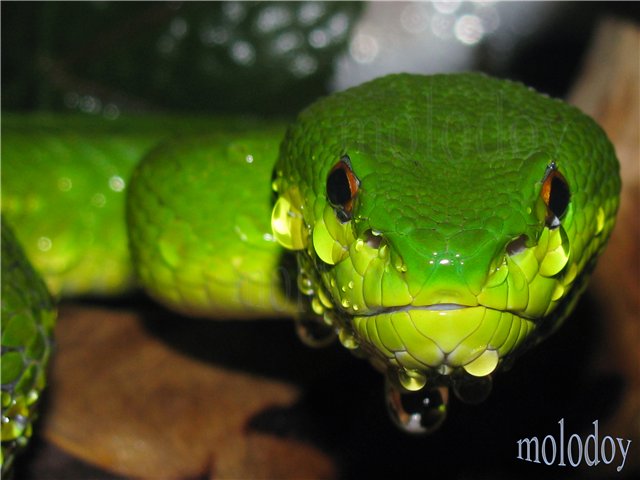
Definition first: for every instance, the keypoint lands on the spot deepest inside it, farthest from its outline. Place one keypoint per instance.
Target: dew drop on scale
(305, 283)
(348, 339)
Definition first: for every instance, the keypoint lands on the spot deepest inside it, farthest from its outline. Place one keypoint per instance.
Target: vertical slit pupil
(338, 188)
(558, 196)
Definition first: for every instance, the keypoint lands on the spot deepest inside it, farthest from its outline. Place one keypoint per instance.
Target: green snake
(440, 225)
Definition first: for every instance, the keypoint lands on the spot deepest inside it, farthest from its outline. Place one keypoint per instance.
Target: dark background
(118, 52)
(59, 56)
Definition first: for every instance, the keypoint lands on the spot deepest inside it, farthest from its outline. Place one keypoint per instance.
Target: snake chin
(423, 343)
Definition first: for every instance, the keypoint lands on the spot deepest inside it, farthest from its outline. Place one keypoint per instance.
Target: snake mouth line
(436, 307)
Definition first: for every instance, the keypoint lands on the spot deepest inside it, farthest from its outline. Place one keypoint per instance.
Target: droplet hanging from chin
(420, 412)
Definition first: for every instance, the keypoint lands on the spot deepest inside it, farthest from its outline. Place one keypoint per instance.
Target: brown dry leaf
(126, 401)
(609, 91)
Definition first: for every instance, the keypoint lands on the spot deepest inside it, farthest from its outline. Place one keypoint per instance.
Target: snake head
(446, 222)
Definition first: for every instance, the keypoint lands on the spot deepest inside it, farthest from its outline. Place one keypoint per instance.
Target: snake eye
(555, 194)
(342, 187)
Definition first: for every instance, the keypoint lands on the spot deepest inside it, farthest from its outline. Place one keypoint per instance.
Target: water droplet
(286, 42)
(417, 412)
(116, 183)
(472, 390)
(442, 25)
(485, 364)
(338, 24)
(65, 184)
(599, 221)
(411, 380)
(71, 100)
(242, 52)
(318, 38)
(98, 200)
(447, 7)
(179, 27)
(111, 111)
(90, 104)
(469, 29)
(166, 44)
(303, 65)
(558, 292)
(32, 397)
(234, 11)
(273, 17)
(324, 298)
(363, 48)
(414, 18)
(310, 12)
(305, 284)
(314, 331)
(316, 306)
(44, 244)
(345, 303)
(214, 35)
(347, 339)
(489, 17)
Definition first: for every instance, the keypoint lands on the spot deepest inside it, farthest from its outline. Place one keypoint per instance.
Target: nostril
(372, 240)
(517, 245)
